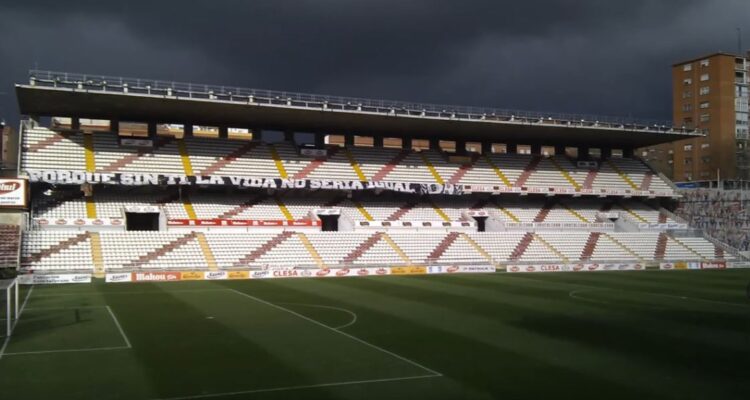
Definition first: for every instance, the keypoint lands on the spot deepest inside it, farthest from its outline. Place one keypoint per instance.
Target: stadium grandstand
(131, 175)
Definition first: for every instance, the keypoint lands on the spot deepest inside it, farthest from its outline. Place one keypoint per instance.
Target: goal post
(9, 310)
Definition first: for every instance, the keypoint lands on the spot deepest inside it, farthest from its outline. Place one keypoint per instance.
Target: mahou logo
(8, 187)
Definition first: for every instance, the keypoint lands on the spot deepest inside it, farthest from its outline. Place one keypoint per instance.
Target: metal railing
(304, 100)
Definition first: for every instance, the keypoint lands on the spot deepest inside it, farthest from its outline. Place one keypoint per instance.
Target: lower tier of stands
(113, 251)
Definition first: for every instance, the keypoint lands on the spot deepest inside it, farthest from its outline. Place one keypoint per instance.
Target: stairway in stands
(363, 247)
(463, 169)
(522, 246)
(161, 251)
(438, 251)
(65, 244)
(387, 168)
(661, 246)
(521, 181)
(588, 249)
(314, 164)
(263, 249)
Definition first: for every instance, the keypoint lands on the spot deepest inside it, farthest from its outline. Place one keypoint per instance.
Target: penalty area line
(300, 387)
(352, 337)
(18, 318)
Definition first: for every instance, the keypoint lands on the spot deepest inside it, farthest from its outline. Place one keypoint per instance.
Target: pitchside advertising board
(574, 267)
(13, 193)
(681, 265)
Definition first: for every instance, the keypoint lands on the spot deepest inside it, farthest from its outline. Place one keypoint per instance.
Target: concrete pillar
(258, 135)
(151, 129)
(434, 143)
(511, 148)
(320, 141)
(75, 123)
(583, 152)
(348, 140)
(486, 147)
(406, 143)
(606, 153)
(223, 132)
(114, 126)
(536, 149)
(288, 136)
(377, 141)
(628, 152)
(460, 147)
(559, 149)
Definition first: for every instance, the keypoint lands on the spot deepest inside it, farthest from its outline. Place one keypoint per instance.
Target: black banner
(61, 177)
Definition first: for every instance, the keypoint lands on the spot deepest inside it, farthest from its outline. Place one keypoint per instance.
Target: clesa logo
(381, 271)
(285, 273)
(452, 269)
(550, 268)
(9, 187)
(323, 272)
(363, 272)
(342, 272)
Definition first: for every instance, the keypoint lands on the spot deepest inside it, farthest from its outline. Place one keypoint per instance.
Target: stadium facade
(145, 180)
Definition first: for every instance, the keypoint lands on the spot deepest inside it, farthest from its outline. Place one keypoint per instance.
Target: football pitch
(628, 335)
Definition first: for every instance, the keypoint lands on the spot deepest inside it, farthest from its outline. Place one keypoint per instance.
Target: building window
(706, 159)
(704, 77)
(705, 174)
(704, 104)
(688, 161)
(688, 176)
(705, 63)
(687, 94)
(687, 147)
(705, 146)
(704, 90)
(705, 117)
(687, 81)
(687, 107)
(687, 67)
(670, 151)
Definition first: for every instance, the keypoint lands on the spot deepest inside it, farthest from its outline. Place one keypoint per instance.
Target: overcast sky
(601, 57)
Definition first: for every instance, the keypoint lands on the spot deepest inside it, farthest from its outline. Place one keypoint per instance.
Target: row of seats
(46, 250)
(10, 240)
(46, 149)
(261, 206)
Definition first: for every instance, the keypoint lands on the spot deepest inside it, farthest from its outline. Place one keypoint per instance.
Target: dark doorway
(330, 223)
(142, 221)
(480, 223)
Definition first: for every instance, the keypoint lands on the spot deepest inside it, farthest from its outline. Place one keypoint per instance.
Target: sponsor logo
(238, 274)
(214, 275)
(97, 222)
(363, 272)
(116, 222)
(452, 269)
(530, 268)
(260, 274)
(381, 271)
(192, 276)
(79, 222)
(514, 269)
(42, 221)
(8, 187)
(342, 272)
(714, 265)
(156, 276)
(125, 277)
(61, 222)
(284, 273)
(323, 272)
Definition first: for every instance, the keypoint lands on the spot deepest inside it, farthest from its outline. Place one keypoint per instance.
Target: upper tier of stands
(44, 149)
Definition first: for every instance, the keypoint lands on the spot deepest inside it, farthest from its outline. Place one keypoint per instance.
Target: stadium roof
(128, 99)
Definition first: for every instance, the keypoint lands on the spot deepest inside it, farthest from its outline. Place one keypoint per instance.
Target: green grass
(665, 335)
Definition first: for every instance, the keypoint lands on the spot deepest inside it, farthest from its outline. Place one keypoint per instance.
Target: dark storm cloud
(596, 56)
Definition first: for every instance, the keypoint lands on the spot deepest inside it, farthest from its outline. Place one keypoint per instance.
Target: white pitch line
(139, 292)
(376, 347)
(119, 327)
(352, 314)
(299, 387)
(22, 353)
(63, 308)
(23, 306)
